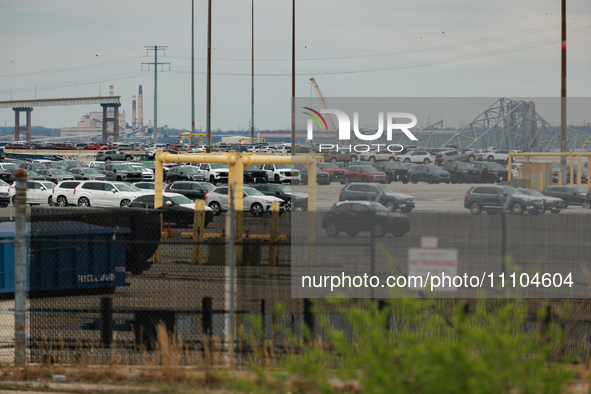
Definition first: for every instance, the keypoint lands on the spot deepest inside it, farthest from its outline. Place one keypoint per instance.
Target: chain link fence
(104, 283)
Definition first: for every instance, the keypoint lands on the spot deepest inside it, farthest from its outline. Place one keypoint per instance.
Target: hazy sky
(353, 48)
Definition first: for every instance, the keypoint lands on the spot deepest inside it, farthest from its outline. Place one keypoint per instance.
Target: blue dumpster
(66, 256)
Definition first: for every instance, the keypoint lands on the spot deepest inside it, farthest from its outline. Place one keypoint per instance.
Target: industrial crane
(332, 126)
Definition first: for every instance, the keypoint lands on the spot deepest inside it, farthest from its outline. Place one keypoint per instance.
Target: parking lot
(436, 197)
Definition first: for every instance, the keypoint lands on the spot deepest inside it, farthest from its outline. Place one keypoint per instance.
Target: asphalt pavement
(435, 197)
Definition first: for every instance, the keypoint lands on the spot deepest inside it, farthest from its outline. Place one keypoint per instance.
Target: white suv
(281, 173)
(375, 155)
(215, 173)
(63, 194)
(415, 156)
(198, 149)
(38, 192)
(106, 194)
(253, 200)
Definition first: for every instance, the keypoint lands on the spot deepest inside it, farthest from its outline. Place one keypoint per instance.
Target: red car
(64, 146)
(94, 146)
(336, 173)
(363, 173)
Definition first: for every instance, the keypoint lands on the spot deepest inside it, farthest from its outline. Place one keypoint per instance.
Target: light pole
(563, 96)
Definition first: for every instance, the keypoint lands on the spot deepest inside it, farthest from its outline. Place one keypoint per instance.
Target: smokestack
(133, 115)
(111, 90)
(140, 109)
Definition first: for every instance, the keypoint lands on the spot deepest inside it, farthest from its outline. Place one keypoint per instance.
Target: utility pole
(193, 67)
(208, 104)
(563, 96)
(156, 48)
(293, 78)
(252, 77)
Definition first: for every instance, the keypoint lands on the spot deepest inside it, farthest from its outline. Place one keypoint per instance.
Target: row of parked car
(57, 171)
(371, 207)
(394, 171)
(494, 199)
(418, 156)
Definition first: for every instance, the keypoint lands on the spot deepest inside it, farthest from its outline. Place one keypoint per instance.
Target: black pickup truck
(254, 174)
(492, 172)
(394, 170)
(463, 172)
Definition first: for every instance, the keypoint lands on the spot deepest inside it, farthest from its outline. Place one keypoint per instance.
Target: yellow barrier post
(274, 234)
(579, 170)
(198, 229)
(560, 177)
(572, 169)
(541, 181)
(158, 172)
(236, 163)
(235, 196)
(509, 162)
(158, 179)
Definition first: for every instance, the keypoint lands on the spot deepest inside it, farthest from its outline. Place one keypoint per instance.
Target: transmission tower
(156, 48)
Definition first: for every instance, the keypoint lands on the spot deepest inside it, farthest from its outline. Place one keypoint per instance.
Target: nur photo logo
(344, 129)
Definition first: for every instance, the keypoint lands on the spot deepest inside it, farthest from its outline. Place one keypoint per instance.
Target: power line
(473, 56)
(478, 55)
(74, 68)
(91, 81)
(572, 22)
(537, 30)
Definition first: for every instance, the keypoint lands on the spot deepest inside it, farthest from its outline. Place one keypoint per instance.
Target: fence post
(207, 326)
(198, 226)
(158, 253)
(263, 331)
(503, 240)
(20, 267)
(372, 259)
(309, 320)
(106, 321)
(274, 235)
(231, 279)
(207, 315)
